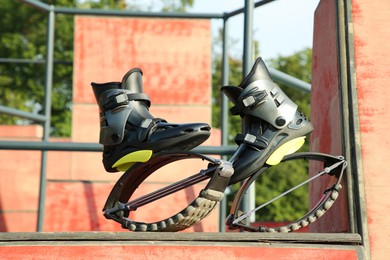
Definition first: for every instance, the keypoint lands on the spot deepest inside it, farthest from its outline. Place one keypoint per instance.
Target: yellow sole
(124, 163)
(285, 149)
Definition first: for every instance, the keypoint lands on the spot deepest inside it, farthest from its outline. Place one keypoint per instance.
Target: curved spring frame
(118, 207)
(333, 166)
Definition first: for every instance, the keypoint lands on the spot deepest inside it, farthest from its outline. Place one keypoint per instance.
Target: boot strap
(266, 101)
(248, 101)
(122, 99)
(145, 127)
(113, 122)
(259, 142)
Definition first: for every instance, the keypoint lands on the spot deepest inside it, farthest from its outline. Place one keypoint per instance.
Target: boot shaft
(258, 96)
(103, 89)
(132, 81)
(121, 104)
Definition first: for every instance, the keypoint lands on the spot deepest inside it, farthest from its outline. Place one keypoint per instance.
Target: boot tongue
(258, 72)
(100, 88)
(232, 93)
(132, 81)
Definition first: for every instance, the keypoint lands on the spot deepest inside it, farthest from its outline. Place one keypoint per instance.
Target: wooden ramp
(126, 245)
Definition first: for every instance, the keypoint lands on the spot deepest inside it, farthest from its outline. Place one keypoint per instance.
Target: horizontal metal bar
(38, 4)
(220, 150)
(263, 2)
(32, 61)
(93, 147)
(15, 60)
(127, 13)
(50, 146)
(289, 80)
(241, 10)
(17, 112)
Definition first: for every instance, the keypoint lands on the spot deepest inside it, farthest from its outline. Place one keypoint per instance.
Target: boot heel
(285, 149)
(124, 163)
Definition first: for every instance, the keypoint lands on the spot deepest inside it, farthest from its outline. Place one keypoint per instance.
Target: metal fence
(45, 145)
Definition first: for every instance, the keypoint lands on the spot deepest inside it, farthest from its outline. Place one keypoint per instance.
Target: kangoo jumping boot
(272, 125)
(129, 133)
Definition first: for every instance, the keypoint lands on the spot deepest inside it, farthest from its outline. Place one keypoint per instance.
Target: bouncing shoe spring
(129, 133)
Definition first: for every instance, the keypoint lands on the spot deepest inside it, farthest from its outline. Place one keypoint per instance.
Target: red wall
(175, 58)
(371, 26)
(19, 181)
(369, 32)
(326, 112)
(177, 252)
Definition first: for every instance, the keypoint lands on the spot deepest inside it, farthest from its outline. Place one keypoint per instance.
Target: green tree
(235, 77)
(23, 36)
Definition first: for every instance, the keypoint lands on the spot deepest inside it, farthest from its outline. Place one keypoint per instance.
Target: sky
(282, 27)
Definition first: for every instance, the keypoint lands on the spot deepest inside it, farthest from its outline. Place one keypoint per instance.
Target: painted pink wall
(175, 56)
(326, 112)
(371, 27)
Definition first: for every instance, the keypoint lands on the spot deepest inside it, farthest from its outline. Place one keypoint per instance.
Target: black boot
(272, 125)
(130, 133)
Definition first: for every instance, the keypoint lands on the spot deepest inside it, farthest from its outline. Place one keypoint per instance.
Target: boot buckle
(115, 101)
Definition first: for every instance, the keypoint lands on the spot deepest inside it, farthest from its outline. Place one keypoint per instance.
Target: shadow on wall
(3, 224)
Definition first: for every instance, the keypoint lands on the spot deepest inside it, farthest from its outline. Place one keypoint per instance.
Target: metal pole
(95, 147)
(23, 114)
(225, 81)
(224, 114)
(248, 37)
(33, 61)
(249, 200)
(37, 4)
(128, 13)
(241, 10)
(289, 80)
(46, 128)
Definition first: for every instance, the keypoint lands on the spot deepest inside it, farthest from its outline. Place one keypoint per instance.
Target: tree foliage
(22, 85)
(23, 33)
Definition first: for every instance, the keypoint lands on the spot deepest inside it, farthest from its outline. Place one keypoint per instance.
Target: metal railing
(45, 145)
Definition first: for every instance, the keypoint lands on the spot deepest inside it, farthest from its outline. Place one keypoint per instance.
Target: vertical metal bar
(47, 111)
(225, 81)
(248, 201)
(248, 37)
(224, 113)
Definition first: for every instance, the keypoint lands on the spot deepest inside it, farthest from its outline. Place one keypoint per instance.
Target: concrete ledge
(310, 238)
(111, 245)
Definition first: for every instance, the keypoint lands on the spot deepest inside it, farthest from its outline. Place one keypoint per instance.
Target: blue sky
(282, 27)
